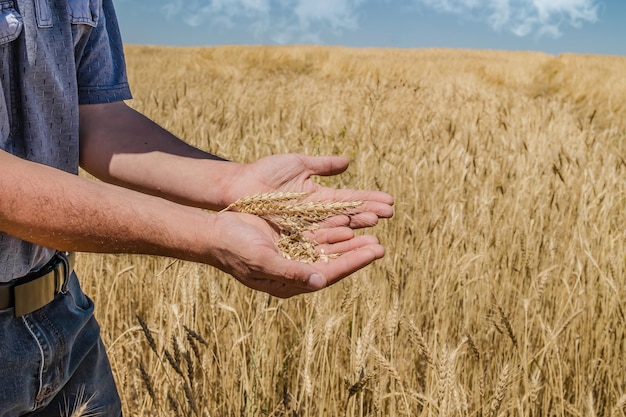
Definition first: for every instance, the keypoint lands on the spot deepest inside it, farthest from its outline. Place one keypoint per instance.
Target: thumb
(300, 274)
(316, 281)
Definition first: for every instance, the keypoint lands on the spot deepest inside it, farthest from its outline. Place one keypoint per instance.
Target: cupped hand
(294, 172)
(245, 247)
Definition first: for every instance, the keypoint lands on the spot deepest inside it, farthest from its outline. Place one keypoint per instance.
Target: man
(62, 86)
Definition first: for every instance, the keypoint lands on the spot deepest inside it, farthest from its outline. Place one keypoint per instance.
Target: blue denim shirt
(54, 55)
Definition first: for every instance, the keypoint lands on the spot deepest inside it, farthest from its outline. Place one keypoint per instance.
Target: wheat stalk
(294, 218)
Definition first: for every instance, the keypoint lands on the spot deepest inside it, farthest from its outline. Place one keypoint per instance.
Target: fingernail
(316, 281)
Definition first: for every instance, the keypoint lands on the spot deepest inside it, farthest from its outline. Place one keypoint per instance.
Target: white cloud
(500, 14)
(575, 10)
(339, 14)
(522, 17)
(285, 21)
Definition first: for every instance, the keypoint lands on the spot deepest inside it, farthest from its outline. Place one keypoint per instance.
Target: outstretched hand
(245, 248)
(247, 245)
(293, 172)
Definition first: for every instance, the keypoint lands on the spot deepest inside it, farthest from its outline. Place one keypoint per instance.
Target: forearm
(52, 208)
(121, 146)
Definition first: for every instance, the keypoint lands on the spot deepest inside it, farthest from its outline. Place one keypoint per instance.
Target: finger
(331, 235)
(379, 203)
(361, 220)
(276, 288)
(354, 221)
(297, 275)
(325, 165)
(339, 221)
(366, 196)
(338, 248)
(382, 209)
(350, 262)
(373, 196)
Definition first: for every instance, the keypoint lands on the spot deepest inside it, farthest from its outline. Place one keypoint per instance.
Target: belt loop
(61, 284)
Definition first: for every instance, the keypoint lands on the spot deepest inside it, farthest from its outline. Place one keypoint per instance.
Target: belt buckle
(33, 295)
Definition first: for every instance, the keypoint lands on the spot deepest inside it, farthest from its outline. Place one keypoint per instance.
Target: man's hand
(244, 246)
(293, 172)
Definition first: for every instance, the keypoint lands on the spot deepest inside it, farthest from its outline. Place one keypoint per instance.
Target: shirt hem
(101, 95)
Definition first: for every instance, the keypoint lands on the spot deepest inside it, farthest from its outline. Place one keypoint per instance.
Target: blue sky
(551, 26)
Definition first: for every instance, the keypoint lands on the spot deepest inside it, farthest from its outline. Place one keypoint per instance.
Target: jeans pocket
(80, 300)
(11, 22)
(85, 12)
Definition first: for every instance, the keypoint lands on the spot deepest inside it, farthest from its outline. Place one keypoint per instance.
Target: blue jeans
(52, 361)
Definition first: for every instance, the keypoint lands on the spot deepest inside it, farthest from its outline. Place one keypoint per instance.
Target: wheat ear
(294, 218)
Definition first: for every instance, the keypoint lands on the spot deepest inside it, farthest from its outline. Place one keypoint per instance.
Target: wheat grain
(417, 339)
(145, 377)
(173, 362)
(504, 382)
(176, 349)
(174, 407)
(191, 400)
(358, 386)
(619, 406)
(460, 400)
(294, 218)
(385, 364)
(504, 320)
(534, 389)
(393, 316)
(190, 367)
(472, 346)
(192, 343)
(259, 200)
(147, 333)
(194, 335)
(445, 380)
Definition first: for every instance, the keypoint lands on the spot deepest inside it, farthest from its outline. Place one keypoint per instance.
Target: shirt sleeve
(100, 62)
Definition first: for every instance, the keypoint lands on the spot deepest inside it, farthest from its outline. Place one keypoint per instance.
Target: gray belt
(37, 289)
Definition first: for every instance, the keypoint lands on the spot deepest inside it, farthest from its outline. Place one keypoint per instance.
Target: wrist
(192, 236)
(225, 188)
(220, 184)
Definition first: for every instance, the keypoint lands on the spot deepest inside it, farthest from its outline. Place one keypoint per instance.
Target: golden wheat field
(502, 292)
